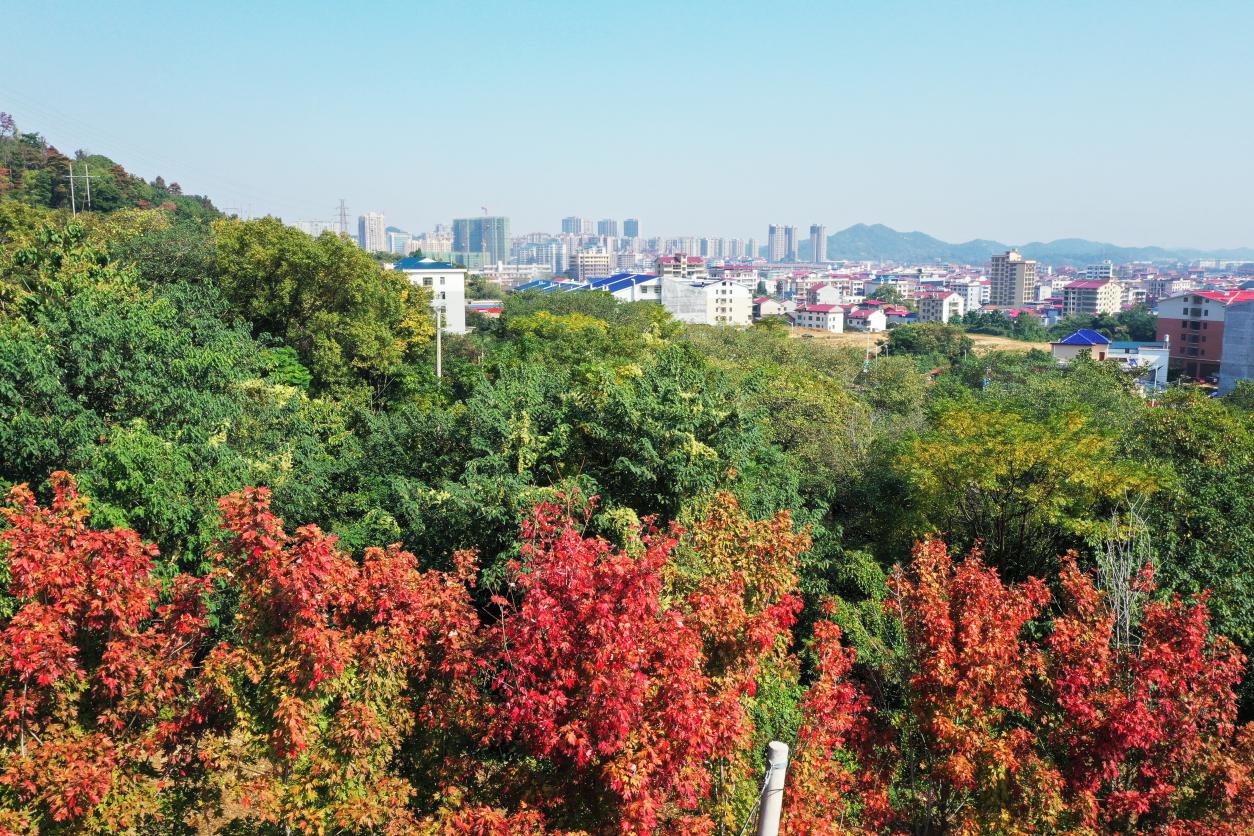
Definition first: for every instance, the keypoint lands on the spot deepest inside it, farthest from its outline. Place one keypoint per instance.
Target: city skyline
(908, 139)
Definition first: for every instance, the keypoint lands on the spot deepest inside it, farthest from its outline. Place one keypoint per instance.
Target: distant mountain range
(876, 242)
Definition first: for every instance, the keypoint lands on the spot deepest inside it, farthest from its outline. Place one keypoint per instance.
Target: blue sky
(1018, 120)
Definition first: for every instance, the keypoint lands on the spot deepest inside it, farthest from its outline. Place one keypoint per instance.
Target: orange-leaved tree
(330, 667)
(1144, 725)
(94, 672)
(990, 718)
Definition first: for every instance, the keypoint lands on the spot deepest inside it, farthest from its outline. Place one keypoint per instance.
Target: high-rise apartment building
(818, 243)
(607, 227)
(572, 225)
(1088, 297)
(781, 243)
(752, 250)
(398, 241)
(371, 232)
(590, 264)
(1012, 280)
(775, 243)
(1103, 272)
(631, 228)
(486, 237)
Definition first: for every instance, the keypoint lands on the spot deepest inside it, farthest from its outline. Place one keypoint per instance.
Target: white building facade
(447, 284)
(709, 302)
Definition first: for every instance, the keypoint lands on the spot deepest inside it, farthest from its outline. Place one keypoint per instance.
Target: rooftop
(1085, 336)
(1223, 297)
(414, 263)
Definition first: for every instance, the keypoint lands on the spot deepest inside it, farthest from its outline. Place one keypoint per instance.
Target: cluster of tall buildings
(782, 244)
(606, 227)
(1194, 305)
(583, 246)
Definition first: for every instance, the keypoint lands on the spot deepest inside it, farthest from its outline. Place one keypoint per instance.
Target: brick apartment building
(1193, 323)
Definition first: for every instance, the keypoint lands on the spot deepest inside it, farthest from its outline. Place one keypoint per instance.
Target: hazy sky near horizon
(1129, 122)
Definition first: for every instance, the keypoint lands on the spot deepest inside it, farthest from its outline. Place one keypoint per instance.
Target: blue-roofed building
(630, 287)
(626, 287)
(1084, 337)
(1084, 341)
(447, 283)
(1146, 360)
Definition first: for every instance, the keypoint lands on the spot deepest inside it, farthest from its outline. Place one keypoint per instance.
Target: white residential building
(865, 318)
(707, 302)
(1103, 272)
(316, 228)
(1091, 296)
(940, 305)
(975, 293)
(447, 284)
(825, 293)
(591, 264)
(822, 317)
(765, 306)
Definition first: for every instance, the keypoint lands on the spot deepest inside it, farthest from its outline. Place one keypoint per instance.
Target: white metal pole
(439, 347)
(773, 793)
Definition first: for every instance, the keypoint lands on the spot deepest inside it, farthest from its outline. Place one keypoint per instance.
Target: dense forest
(264, 572)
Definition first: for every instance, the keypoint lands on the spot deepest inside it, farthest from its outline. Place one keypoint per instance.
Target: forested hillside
(36, 174)
(265, 573)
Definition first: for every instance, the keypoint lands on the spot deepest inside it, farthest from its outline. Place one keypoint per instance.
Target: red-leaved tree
(329, 668)
(623, 691)
(991, 720)
(834, 784)
(1145, 729)
(94, 669)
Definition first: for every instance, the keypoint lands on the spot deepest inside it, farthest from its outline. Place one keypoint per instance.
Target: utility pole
(73, 201)
(87, 177)
(772, 801)
(439, 347)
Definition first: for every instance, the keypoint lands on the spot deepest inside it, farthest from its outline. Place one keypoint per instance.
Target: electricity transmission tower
(343, 212)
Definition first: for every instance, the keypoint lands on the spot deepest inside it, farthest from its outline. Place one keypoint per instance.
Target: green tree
(350, 322)
(1201, 523)
(930, 340)
(1024, 487)
(888, 293)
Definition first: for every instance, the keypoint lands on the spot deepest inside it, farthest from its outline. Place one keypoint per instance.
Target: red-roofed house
(1089, 297)
(823, 317)
(767, 306)
(862, 318)
(1194, 325)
